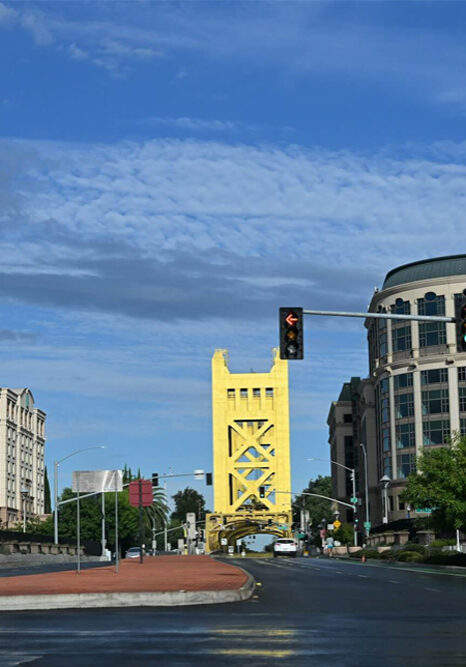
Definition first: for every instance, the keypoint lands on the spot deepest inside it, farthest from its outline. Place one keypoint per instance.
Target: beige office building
(22, 443)
(415, 396)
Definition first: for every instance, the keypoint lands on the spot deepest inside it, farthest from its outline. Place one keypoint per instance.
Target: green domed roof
(438, 267)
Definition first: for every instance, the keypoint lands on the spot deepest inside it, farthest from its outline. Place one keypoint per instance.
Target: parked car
(133, 552)
(285, 546)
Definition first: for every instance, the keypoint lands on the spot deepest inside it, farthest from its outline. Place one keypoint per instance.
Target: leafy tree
(47, 503)
(319, 508)
(344, 534)
(441, 484)
(188, 500)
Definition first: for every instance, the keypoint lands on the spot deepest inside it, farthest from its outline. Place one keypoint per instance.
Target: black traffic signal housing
(262, 492)
(208, 478)
(291, 333)
(155, 479)
(460, 322)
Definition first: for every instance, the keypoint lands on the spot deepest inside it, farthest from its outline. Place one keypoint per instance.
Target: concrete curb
(94, 600)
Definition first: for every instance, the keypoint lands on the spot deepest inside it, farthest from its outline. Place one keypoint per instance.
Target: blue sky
(171, 173)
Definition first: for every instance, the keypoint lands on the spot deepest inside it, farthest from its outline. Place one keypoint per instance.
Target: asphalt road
(305, 612)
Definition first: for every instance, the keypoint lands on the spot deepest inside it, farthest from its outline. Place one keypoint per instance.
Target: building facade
(22, 444)
(416, 388)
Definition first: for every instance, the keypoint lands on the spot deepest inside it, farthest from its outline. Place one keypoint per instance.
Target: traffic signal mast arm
(382, 316)
(317, 495)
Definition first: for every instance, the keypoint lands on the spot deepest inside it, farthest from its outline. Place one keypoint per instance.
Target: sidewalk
(159, 581)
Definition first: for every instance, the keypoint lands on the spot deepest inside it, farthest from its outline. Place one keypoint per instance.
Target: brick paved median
(157, 574)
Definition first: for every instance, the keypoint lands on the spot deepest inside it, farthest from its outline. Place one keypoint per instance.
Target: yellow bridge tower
(251, 440)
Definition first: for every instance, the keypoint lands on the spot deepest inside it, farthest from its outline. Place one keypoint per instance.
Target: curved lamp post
(353, 480)
(55, 483)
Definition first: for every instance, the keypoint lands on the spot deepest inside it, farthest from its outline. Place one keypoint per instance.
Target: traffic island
(167, 581)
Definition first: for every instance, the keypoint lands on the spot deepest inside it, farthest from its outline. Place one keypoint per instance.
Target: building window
(463, 426)
(405, 465)
(384, 386)
(431, 333)
(405, 435)
(387, 466)
(386, 439)
(403, 380)
(230, 393)
(435, 401)
(347, 418)
(436, 432)
(401, 307)
(404, 405)
(256, 392)
(383, 345)
(385, 412)
(462, 398)
(401, 339)
(269, 391)
(462, 374)
(243, 393)
(434, 376)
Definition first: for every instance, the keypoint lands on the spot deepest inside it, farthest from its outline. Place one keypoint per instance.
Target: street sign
(231, 549)
(426, 510)
(97, 481)
(140, 493)
(223, 541)
(336, 524)
(367, 525)
(354, 499)
(330, 526)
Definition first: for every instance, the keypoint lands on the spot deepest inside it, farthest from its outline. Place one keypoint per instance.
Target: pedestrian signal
(291, 333)
(262, 492)
(155, 479)
(460, 317)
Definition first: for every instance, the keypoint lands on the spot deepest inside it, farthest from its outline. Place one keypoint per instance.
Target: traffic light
(155, 479)
(208, 478)
(291, 333)
(460, 317)
(262, 492)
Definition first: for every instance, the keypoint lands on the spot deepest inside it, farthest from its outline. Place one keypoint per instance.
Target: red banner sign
(140, 493)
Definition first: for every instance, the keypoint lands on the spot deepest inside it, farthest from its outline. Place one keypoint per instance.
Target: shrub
(410, 557)
(387, 555)
(417, 548)
(368, 553)
(443, 542)
(447, 559)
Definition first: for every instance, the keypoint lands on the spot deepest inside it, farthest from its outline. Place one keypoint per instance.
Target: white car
(285, 546)
(133, 552)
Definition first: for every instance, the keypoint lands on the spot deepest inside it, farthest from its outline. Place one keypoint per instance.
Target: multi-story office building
(22, 443)
(415, 396)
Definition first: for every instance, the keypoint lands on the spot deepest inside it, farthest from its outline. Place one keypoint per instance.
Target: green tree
(441, 484)
(318, 508)
(188, 500)
(344, 534)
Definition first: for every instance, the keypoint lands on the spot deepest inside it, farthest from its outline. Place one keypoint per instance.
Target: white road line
(392, 581)
(435, 590)
(363, 576)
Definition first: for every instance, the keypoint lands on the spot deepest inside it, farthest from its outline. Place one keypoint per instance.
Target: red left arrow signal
(291, 319)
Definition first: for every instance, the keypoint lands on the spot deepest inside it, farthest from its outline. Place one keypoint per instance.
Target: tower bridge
(251, 447)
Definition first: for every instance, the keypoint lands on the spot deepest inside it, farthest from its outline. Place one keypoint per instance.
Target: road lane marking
(392, 581)
(435, 590)
(363, 576)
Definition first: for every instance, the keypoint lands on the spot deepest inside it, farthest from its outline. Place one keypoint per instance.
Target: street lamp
(353, 499)
(24, 496)
(366, 487)
(55, 483)
(385, 480)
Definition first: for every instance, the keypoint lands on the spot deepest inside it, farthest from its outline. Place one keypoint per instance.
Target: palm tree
(157, 514)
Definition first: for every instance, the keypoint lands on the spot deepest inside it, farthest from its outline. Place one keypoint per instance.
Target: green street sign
(301, 536)
(426, 510)
(367, 525)
(354, 499)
